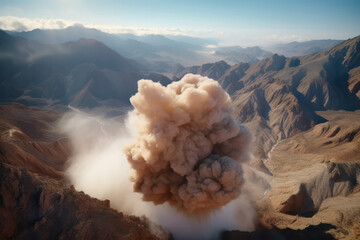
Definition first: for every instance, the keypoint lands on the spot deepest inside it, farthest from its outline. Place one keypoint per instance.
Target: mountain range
(304, 115)
(84, 73)
(302, 48)
(237, 54)
(280, 95)
(165, 54)
(156, 52)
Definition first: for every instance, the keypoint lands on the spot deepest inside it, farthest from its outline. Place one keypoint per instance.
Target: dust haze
(178, 155)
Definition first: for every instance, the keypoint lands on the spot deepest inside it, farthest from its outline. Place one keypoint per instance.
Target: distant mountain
(303, 48)
(72, 33)
(277, 97)
(162, 41)
(237, 54)
(157, 52)
(194, 40)
(212, 70)
(84, 73)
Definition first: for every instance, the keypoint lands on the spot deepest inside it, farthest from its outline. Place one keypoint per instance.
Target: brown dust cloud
(178, 158)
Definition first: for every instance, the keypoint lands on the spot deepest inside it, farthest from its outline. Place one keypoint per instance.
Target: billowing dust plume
(189, 148)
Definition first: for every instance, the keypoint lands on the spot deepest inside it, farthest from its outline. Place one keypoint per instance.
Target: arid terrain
(303, 113)
(315, 178)
(37, 202)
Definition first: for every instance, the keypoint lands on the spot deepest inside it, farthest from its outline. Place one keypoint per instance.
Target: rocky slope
(34, 206)
(29, 139)
(303, 114)
(316, 178)
(278, 97)
(35, 200)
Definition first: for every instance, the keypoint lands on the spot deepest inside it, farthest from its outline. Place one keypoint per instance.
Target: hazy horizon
(243, 23)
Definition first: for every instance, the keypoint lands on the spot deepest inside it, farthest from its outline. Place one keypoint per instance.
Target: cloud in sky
(244, 37)
(11, 23)
(245, 23)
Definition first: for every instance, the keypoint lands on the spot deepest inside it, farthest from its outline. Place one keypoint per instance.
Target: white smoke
(100, 168)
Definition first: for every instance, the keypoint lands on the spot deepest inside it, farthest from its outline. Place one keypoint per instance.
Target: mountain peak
(273, 63)
(348, 51)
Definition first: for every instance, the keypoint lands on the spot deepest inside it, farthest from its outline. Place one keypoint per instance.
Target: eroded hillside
(36, 200)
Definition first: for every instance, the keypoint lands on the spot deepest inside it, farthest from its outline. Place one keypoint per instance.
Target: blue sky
(241, 21)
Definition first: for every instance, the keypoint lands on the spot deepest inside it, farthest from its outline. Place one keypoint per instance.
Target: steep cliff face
(34, 206)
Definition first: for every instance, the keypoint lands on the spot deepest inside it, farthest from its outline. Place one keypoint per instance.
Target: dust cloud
(189, 148)
(180, 150)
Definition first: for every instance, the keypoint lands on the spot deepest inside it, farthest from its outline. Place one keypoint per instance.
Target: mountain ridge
(303, 48)
(280, 95)
(83, 73)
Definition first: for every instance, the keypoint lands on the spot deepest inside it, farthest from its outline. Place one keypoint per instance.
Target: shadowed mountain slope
(85, 73)
(156, 52)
